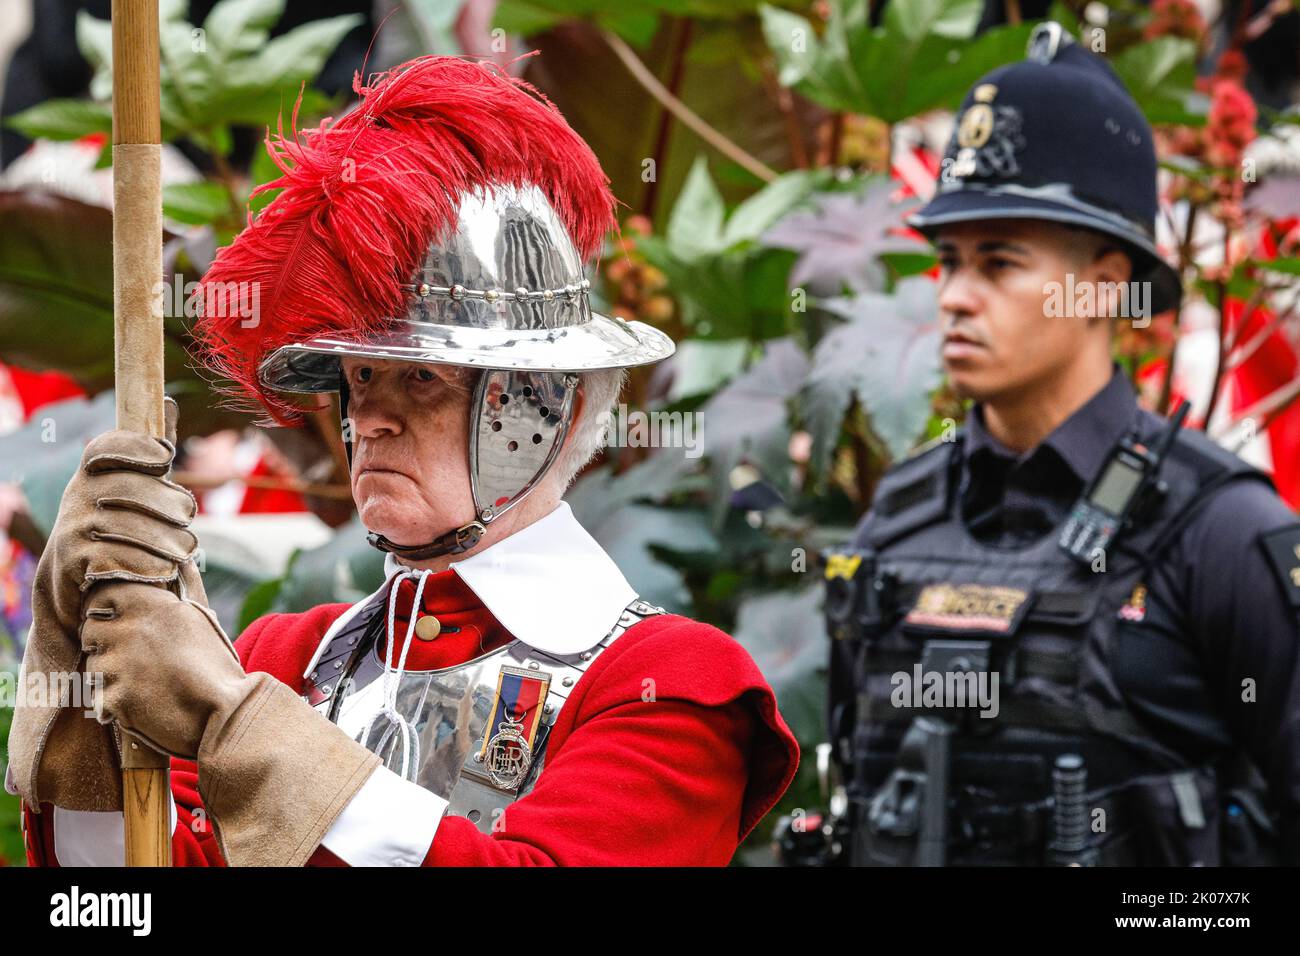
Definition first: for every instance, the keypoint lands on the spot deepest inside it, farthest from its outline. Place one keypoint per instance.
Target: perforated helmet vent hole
(537, 439)
(513, 445)
(505, 398)
(528, 391)
(545, 411)
(496, 426)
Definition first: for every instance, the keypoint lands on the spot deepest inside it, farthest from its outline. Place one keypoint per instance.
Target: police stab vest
(1026, 636)
(478, 730)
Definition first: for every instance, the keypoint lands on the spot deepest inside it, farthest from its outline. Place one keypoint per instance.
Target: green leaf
(820, 70)
(56, 286)
(937, 70)
(435, 21)
(921, 58)
(637, 27)
(186, 83)
(1289, 266)
(12, 852)
(344, 569)
(225, 73)
(700, 366)
(911, 22)
(169, 10)
(695, 226)
(196, 204)
(757, 214)
(95, 40)
(297, 56)
(1161, 76)
(792, 41)
(259, 600)
(262, 171)
(239, 27)
(1063, 15)
(63, 119)
(56, 291)
(524, 18)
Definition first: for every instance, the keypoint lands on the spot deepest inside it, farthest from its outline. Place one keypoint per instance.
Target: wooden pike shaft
(138, 342)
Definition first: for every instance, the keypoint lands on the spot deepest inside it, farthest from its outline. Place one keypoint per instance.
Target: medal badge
(512, 727)
(1136, 608)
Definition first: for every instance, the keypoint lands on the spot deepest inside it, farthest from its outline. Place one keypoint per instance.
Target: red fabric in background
(669, 750)
(1272, 366)
(269, 500)
(38, 389)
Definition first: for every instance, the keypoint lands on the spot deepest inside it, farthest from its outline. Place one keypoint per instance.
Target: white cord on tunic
(393, 679)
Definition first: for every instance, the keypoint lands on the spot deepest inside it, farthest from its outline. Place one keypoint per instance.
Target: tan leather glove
(120, 520)
(274, 774)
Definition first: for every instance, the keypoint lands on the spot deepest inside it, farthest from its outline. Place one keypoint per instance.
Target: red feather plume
(364, 197)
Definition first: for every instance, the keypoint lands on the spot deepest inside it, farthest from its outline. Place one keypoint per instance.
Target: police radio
(1124, 484)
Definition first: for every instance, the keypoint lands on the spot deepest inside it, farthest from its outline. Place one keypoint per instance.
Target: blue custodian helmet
(1056, 137)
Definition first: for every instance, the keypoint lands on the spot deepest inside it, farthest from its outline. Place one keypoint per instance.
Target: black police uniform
(1147, 705)
(1163, 671)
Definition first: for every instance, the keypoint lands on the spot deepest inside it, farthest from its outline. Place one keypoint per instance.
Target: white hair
(600, 391)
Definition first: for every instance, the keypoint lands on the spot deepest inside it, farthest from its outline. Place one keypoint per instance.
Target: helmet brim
(312, 365)
(972, 205)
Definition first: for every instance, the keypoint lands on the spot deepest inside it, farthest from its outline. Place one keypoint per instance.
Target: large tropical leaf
(783, 631)
(887, 355)
(922, 57)
(719, 77)
(56, 286)
(621, 512)
(226, 71)
(1161, 76)
(56, 303)
(749, 419)
(729, 286)
(840, 241)
(42, 456)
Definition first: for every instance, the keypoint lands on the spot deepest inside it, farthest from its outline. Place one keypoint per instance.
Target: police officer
(1070, 634)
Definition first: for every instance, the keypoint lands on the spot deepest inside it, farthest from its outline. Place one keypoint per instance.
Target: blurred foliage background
(765, 156)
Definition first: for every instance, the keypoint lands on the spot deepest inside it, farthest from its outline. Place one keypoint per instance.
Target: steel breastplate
(470, 747)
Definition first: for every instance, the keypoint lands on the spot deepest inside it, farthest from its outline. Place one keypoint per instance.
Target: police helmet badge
(987, 137)
(510, 737)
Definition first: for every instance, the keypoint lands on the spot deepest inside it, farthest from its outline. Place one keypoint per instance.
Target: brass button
(427, 627)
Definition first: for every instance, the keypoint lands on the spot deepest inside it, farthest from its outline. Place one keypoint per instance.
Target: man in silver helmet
(505, 697)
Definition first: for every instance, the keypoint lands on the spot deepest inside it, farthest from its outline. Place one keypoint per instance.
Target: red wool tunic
(667, 753)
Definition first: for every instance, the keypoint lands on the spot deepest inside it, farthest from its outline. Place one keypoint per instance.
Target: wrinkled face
(1002, 336)
(410, 432)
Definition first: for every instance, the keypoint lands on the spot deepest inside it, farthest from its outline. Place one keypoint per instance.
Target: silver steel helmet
(504, 292)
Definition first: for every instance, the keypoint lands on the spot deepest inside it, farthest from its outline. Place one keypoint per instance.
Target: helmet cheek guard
(520, 421)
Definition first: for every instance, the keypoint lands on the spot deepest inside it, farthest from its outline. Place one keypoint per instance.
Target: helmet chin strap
(453, 542)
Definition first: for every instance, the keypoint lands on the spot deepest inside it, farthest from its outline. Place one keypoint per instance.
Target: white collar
(549, 584)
